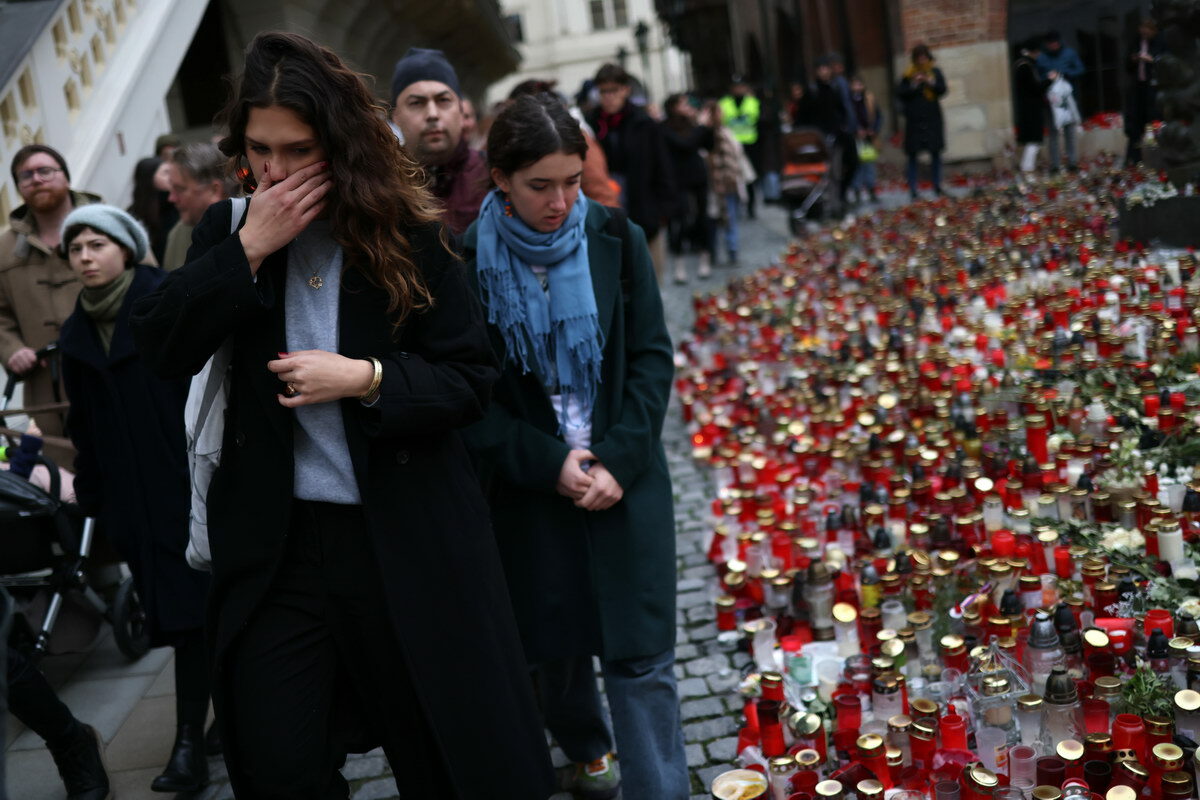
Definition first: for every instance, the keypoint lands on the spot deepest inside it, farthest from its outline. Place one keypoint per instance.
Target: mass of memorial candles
(955, 523)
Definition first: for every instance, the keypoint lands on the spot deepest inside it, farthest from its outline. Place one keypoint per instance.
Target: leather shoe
(80, 765)
(187, 769)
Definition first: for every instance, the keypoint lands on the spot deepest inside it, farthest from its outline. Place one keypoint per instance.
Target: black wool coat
(425, 512)
(924, 128)
(1029, 101)
(598, 582)
(635, 150)
(131, 470)
(684, 143)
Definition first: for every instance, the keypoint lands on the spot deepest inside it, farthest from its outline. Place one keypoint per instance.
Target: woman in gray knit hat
(131, 471)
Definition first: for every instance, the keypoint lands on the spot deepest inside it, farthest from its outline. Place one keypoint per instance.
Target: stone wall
(968, 40)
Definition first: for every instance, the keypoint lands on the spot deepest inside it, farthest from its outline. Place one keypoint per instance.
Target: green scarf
(103, 304)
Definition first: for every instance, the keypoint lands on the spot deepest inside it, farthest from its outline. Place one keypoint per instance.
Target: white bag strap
(220, 360)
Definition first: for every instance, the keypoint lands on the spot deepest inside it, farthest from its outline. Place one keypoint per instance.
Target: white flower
(1121, 539)
(1190, 607)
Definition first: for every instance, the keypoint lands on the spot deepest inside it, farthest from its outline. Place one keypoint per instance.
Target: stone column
(968, 39)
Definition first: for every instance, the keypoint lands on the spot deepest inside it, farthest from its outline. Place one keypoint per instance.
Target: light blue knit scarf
(557, 332)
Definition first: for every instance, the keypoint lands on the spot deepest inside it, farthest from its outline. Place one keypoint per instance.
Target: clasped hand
(318, 376)
(593, 490)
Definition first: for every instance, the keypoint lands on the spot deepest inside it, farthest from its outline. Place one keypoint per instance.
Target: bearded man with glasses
(37, 287)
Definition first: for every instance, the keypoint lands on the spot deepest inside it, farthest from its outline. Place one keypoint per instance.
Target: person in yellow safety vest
(741, 109)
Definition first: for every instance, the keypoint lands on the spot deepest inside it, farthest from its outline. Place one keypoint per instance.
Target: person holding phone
(351, 551)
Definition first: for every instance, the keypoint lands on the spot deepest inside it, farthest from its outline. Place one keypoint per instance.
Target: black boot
(78, 760)
(187, 769)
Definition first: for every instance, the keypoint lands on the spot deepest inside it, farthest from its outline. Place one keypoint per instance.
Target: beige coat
(37, 294)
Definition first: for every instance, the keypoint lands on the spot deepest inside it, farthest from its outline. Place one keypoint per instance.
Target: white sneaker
(705, 267)
(680, 270)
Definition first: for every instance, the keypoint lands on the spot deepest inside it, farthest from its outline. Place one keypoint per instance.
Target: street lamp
(641, 35)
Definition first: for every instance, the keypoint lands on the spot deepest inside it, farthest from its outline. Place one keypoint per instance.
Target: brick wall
(947, 23)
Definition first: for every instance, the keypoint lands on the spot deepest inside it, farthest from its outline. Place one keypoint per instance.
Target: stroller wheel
(129, 622)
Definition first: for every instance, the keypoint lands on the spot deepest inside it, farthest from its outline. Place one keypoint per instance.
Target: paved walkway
(132, 705)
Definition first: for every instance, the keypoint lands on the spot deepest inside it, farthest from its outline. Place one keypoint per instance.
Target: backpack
(204, 427)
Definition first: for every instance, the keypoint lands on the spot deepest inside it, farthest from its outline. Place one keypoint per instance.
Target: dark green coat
(600, 582)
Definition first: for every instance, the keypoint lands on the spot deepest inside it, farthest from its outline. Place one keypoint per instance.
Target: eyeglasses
(42, 173)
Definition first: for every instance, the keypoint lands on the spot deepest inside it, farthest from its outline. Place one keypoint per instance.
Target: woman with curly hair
(345, 508)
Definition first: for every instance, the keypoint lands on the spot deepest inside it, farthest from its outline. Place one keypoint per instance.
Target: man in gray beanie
(428, 111)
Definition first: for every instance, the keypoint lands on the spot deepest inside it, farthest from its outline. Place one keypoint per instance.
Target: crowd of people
(422, 352)
(451, 348)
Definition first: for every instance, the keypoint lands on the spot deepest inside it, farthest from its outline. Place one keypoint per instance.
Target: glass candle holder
(1022, 764)
(848, 711)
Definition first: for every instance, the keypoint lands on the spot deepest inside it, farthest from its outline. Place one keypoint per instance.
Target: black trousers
(32, 701)
(690, 223)
(320, 665)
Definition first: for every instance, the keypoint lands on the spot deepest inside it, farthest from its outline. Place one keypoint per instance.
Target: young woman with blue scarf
(571, 455)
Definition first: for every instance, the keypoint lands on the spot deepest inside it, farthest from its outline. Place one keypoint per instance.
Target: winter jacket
(37, 293)
(1029, 102)
(1065, 62)
(461, 184)
(924, 128)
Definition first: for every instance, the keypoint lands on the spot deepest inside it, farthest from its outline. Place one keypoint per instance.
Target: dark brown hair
(532, 127)
(377, 187)
(921, 50)
(29, 149)
(613, 73)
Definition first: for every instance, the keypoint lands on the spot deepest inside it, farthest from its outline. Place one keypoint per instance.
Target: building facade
(776, 42)
(568, 40)
(99, 80)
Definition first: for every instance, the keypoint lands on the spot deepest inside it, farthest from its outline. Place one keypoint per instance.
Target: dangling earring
(508, 212)
(245, 175)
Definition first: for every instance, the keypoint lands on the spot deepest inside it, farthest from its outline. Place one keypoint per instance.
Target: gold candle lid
(1167, 753)
(900, 722)
(1159, 726)
(984, 777)
(924, 707)
(1047, 793)
(1108, 686)
(829, 789)
(870, 744)
(782, 764)
(1069, 750)
(1187, 700)
(869, 788)
(807, 758)
(844, 612)
(1029, 702)
(1120, 793)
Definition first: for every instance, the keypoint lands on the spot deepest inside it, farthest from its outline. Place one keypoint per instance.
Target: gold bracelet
(373, 389)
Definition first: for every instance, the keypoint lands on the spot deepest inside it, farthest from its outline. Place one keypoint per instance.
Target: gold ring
(290, 390)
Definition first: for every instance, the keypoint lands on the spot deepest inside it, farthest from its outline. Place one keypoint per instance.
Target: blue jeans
(935, 170)
(645, 720)
(864, 178)
(732, 206)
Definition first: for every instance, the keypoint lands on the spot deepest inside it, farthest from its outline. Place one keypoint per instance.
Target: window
(74, 17)
(98, 50)
(60, 38)
(5, 209)
(513, 24)
(106, 25)
(25, 87)
(8, 119)
(71, 93)
(85, 72)
(119, 7)
(608, 14)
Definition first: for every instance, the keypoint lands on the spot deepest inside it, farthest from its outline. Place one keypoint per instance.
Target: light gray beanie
(113, 223)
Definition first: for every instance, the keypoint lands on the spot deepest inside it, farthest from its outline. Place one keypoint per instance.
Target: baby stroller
(807, 175)
(46, 546)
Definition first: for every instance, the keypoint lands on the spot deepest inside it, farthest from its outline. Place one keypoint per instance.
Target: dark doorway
(199, 81)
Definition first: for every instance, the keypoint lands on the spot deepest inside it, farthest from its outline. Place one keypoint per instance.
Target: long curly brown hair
(377, 188)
